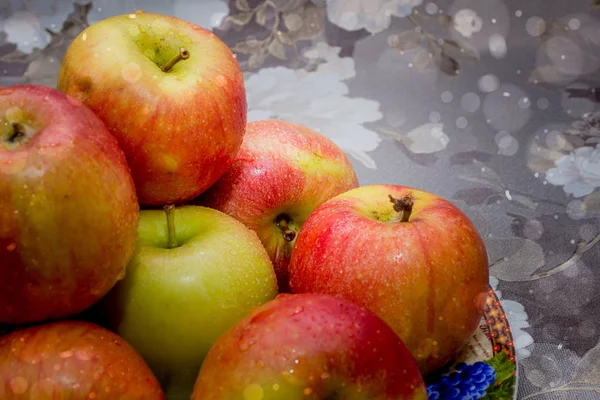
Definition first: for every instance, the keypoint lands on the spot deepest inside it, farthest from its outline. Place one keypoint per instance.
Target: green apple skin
(282, 169)
(174, 303)
(68, 207)
(75, 360)
(426, 277)
(310, 347)
(179, 129)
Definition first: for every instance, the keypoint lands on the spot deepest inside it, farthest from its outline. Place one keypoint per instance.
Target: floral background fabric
(493, 104)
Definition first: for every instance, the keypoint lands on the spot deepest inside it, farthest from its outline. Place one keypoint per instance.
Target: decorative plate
(486, 368)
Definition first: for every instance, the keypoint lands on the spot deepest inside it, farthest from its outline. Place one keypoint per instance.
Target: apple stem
(183, 55)
(288, 234)
(17, 134)
(403, 205)
(170, 212)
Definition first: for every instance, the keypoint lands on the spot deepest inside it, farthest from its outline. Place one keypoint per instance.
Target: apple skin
(310, 346)
(180, 129)
(427, 278)
(68, 207)
(174, 303)
(73, 360)
(282, 168)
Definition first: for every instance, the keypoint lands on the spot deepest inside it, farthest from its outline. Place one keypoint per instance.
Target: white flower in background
(24, 29)
(318, 100)
(426, 139)
(578, 173)
(588, 125)
(208, 14)
(467, 22)
(372, 15)
(517, 320)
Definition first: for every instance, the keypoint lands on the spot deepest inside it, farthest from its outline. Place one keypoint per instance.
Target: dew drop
(131, 72)
(298, 310)
(66, 354)
(19, 385)
(220, 81)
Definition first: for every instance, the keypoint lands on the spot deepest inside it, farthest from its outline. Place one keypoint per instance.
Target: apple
(170, 91)
(282, 172)
(310, 346)
(409, 256)
(195, 273)
(73, 360)
(68, 206)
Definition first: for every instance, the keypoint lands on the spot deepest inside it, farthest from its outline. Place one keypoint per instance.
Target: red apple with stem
(411, 257)
(68, 206)
(310, 346)
(170, 91)
(73, 360)
(282, 172)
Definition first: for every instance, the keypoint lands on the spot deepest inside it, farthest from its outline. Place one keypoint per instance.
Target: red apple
(170, 91)
(309, 346)
(282, 172)
(68, 207)
(73, 360)
(417, 262)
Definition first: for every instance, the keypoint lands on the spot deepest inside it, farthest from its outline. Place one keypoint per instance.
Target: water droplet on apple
(298, 310)
(220, 81)
(66, 354)
(324, 375)
(83, 355)
(245, 345)
(19, 385)
(131, 72)
(133, 16)
(84, 36)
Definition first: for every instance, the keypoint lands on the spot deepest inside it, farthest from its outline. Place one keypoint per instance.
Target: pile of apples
(154, 244)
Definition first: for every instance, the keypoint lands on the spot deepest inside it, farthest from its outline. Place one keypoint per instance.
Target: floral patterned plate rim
(487, 366)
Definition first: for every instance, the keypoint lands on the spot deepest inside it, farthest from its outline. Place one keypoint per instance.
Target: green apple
(195, 273)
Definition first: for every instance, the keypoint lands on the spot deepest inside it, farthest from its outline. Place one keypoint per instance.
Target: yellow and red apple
(73, 360)
(310, 346)
(411, 257)
(68, 207)
(282, 172)
(170, 91)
